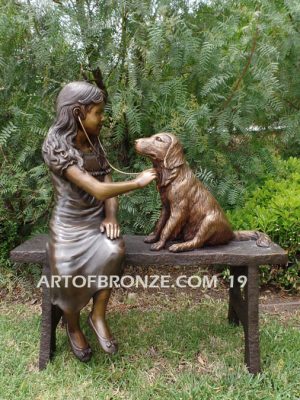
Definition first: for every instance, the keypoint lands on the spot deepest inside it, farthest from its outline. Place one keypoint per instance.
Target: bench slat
(139, 253)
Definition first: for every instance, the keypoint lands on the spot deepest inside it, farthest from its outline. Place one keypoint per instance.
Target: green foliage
(219, 74)
(284, 277)
(139, 211)
(275, 209)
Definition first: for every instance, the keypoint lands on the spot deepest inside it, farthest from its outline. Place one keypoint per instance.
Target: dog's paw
(263, 240)
(175, 248)
(157, 246)
(150, 239)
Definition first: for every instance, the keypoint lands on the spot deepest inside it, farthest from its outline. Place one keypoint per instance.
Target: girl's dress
(76, 247)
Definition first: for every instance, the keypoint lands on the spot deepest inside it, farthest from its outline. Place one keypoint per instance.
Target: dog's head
(163, 147)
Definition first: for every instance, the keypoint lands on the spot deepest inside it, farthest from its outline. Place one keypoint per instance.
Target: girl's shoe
(109, 345)
(83, 355)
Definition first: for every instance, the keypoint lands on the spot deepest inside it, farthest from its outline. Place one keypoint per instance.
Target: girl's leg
(100, 300)
(73, 326)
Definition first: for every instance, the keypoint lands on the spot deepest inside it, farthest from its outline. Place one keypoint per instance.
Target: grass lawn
(176, 350)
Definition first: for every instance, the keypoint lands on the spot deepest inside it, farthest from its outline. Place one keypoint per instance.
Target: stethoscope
(100, 144)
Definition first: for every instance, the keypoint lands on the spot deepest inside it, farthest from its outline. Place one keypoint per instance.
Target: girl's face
(94, 119)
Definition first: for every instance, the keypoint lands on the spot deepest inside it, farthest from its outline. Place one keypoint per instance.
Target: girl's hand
(112, 228)
(145, 177)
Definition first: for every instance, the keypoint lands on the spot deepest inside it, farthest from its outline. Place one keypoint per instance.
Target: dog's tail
(262, 239)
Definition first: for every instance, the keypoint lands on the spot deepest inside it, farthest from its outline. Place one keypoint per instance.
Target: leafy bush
(275, 209)
(281, 276)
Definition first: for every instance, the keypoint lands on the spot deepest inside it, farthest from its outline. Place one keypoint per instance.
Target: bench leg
(51, 316)
(235, 295)
(245, 310)
(251, 328)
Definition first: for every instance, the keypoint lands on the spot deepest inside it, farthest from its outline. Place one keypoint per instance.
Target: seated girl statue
(84, 232)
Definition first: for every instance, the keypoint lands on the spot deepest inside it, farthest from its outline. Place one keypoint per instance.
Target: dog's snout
(137, 145)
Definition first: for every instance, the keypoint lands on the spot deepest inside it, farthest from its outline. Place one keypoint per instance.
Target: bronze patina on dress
(76, 247)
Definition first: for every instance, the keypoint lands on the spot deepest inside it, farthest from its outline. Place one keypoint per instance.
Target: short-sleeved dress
(76, 246)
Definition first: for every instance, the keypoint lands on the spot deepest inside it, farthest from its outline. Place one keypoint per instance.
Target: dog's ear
(174, 157)
(165, 176)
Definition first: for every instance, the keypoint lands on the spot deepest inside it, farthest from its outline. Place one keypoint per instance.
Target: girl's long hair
(58, 147)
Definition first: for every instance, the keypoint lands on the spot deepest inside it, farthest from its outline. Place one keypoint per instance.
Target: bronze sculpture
(84, 232)
(189, 212)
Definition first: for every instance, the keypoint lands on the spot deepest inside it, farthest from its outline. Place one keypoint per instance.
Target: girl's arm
(111, 204)
(106, 190)
(110, 223)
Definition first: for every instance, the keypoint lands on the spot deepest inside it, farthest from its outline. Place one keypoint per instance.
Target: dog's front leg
(205, 231)
(173, 222)
(154, 236)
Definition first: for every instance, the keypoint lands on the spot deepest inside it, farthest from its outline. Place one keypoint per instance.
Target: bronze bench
(243, 258)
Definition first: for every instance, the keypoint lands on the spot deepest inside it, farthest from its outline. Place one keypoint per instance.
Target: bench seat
(243, 258)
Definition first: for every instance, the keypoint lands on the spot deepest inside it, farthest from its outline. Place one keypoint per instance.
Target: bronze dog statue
(189, 212)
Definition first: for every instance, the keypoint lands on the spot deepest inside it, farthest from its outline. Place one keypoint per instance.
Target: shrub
(275, 209)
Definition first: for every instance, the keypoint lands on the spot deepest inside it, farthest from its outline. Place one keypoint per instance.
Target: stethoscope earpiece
(77, 112)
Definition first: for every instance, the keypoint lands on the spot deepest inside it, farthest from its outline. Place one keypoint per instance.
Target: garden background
(222, 75)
